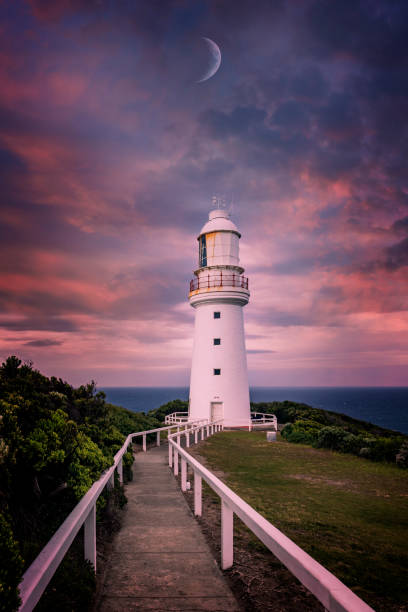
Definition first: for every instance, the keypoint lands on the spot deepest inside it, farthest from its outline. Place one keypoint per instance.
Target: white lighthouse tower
(219, 378)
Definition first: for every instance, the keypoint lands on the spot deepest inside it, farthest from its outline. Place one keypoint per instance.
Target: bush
(339, 432)
(11, 566)
(55, 441)
(402, 456)
(386, 449)
(303, 432)
(176, 405)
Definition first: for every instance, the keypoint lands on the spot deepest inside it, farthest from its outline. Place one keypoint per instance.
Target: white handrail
(176, 417)
(38, 575)
(265, 419)
(329, 590)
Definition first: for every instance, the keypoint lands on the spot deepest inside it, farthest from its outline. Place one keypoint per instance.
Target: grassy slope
(350, 514)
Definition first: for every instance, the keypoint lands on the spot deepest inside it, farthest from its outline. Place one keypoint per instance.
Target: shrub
(386, 449)
(176, 405)
(11, 566)
(331, 437)
(55, 441)
(304, 432)
(402, 456)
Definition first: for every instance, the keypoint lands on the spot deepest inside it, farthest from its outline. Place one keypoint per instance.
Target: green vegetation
(176, 405)
(325, 429)
(351, 515)
(55, 441)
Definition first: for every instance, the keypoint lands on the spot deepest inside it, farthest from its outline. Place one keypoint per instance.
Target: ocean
(384, 406)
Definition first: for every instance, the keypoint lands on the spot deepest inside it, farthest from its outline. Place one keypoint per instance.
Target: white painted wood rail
(257, 419)
(40, 572)
(176, 417)
(329, 590)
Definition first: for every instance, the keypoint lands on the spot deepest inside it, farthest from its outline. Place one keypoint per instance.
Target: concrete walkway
(160, 559)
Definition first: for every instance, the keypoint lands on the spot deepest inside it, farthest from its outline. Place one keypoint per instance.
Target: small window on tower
(217, 371)
(217, 315)
(217, 340)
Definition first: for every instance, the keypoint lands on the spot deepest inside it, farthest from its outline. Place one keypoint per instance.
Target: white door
(217, 411)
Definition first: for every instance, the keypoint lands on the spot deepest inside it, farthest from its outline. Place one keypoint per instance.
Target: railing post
(197, 494)
(175, 463)
(144, 442)
(202, 433)
(183, 474)
(170, 455)
(208, 430)
(158, 438)
(120, 470)
(227, 536)
(187, 439)
(111, 482)
(195, 436)
(90, 537)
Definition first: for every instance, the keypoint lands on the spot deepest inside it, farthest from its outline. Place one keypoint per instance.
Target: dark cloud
(401, 226)
(340, 118)
(53, 10)
(332, 293)
(238, 122)
(10, 162)
(309, 83)
(396, 256)
(43, 343)
(47, 302)
(368, 31)
(52, 323)
(277, 318)
(147, 293)
(291, 115)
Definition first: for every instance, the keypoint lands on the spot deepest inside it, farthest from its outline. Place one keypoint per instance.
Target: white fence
(329, 590)
(258, 419)
(176, 417)
(40, 572)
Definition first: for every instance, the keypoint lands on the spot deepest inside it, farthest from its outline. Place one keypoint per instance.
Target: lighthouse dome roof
(219, 221)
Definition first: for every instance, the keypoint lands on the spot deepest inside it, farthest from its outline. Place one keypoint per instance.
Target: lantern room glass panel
(203, 251)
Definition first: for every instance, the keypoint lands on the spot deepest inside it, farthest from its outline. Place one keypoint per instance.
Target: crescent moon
(215, 59)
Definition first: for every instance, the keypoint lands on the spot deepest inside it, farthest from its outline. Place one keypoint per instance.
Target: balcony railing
(219, 280)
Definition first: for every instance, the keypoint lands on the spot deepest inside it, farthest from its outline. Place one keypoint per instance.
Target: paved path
(160, 559)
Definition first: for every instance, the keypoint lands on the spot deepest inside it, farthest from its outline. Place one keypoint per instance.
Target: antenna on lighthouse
(219, 202)
(231, 206)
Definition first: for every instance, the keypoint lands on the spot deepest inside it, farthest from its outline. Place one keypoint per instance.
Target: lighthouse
(219, 291)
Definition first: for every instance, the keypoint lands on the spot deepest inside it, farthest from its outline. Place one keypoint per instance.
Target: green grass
(348, 513)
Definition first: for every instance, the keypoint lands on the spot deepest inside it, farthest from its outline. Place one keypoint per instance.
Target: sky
(110, 153)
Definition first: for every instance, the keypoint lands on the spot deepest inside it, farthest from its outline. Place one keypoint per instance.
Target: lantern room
(219, 241)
